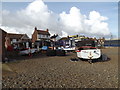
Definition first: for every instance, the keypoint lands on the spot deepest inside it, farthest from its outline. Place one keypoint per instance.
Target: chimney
(35, 28)
(47, 30)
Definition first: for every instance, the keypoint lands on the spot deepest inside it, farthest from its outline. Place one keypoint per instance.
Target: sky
(94, 19)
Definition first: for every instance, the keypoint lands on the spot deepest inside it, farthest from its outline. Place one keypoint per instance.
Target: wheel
(74, 59)
(104, 57)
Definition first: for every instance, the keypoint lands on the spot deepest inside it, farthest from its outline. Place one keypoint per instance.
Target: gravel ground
(60, 72)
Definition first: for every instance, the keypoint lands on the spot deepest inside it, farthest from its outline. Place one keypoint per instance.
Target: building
(54, 37)
(75, 40)
(54, 40)
(112, 43)
(67, 42)
(2, 44)
(40, 38)
(78, 38)
(17, 41)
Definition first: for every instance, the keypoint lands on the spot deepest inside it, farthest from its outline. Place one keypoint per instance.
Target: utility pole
(111, 38)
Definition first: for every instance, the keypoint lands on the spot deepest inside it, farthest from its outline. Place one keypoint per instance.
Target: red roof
(15, 36)
(43, 32)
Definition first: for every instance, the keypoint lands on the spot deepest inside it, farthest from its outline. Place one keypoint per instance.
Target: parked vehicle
(88, 52)
(57, 51)
(69, 49)
(44, 48)
(60, 52)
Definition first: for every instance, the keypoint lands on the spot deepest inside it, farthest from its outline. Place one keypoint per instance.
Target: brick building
(112, 42)
(40, 38)
(2, 44)
(17, 41)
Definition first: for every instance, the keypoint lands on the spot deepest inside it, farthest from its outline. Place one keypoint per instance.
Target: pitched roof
(54, 36)
(25, 37)
(15, 36)
(43, 32)
(3, 30)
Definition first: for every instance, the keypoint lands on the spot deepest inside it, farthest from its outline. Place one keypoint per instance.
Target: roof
(113, 39)
(64, 38)
(54, 36)
(25, 37)
(15, 36)
(43, 32)
(89, 40)
(3, 30)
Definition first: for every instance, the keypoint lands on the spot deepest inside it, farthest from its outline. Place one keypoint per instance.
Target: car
(89, 53)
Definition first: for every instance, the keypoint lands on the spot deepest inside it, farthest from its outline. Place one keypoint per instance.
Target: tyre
(99, 59)
(104, 57)
(74, 59)
(60, 52)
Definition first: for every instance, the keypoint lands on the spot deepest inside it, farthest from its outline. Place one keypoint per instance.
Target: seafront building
(12, 41)
(112, 42)
(40, 38)
(17, 41)
(2, 44)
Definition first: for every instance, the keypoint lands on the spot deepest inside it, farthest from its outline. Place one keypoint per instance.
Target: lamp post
(110, 38)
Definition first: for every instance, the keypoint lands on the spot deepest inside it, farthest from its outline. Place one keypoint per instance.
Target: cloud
(96, 25)
(72, 21)
(38, 14)
(75, 22)
(96, 16)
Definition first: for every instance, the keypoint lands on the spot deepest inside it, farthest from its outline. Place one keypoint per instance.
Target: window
(14, 40)
(48, 36)
(43, 36)
(39, 36)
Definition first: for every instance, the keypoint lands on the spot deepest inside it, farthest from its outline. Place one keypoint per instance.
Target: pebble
(57, 72)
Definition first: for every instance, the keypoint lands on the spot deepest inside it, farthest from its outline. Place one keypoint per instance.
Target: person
(29, 50)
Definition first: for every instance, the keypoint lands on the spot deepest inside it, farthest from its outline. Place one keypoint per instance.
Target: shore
(61, 72)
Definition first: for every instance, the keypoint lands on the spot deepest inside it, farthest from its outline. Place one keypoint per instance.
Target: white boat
(88, 52)
(69, 48)
(28, 51)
